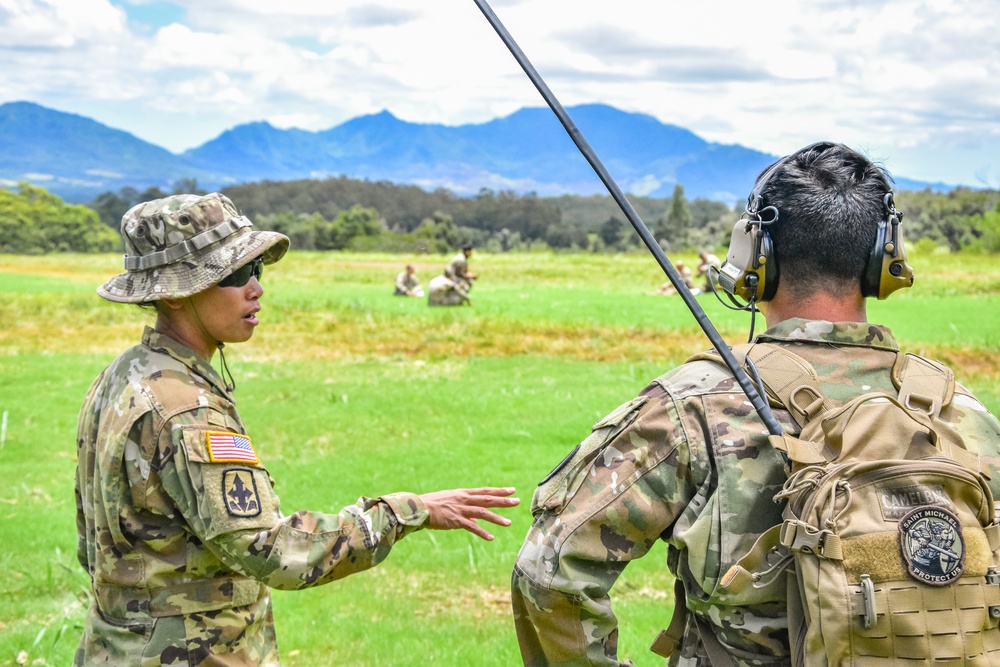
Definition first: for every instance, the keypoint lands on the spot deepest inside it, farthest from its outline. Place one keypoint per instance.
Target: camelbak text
(897, 502)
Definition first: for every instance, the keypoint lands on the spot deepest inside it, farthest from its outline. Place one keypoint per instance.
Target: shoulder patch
(239, 493)
(229, 448)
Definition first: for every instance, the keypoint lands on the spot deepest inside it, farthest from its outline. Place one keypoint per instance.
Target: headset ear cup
(750, 271)
(887, 269)
(740, 276)
(768, 268)
(870, 283)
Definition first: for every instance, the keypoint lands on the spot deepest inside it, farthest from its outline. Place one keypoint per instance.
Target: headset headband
(751, 272)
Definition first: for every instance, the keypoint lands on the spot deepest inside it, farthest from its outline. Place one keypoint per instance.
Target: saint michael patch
(932, 545)
(239, 493)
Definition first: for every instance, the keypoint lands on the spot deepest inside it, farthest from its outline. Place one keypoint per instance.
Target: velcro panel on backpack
(878, 556)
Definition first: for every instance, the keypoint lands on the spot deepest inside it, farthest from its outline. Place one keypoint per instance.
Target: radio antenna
(759, 404)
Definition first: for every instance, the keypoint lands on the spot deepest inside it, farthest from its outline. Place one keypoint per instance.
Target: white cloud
(893, 75)
(57, 24)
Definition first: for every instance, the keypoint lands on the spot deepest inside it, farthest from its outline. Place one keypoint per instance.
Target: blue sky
(911, 82)
(152, 14)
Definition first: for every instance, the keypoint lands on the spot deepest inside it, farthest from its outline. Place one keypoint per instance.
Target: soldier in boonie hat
(180, 245)
(178, 525)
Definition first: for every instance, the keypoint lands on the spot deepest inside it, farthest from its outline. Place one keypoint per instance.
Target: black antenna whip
(759, 404)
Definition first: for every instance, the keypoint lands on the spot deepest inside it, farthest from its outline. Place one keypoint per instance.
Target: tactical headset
(750, 271)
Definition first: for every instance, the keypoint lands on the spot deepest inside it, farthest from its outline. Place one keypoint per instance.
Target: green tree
(187, 186)
(33, 221)
(566, 236)
(111, 207)
(677, 221)
(949, 219)
(988, 227)
(438, 233)
(300, 229)
(355, 222)
(612, 232)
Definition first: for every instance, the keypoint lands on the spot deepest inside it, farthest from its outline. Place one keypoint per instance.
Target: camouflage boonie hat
(181, 245)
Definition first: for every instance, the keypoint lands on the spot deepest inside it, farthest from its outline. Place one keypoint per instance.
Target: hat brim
(198, 271)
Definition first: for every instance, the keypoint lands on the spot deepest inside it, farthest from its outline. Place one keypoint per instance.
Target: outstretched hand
(460, 508)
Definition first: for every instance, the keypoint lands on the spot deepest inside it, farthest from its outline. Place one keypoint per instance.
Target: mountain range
(529, 151)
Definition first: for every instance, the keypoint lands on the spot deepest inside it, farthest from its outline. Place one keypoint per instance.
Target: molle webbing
(904, 632)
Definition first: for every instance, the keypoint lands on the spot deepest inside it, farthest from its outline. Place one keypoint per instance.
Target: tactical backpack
(889, 537)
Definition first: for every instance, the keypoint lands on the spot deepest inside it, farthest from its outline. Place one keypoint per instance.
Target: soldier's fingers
(486, 515)
(492, 501)
(491, 491)
(467, 523)
(490, 498)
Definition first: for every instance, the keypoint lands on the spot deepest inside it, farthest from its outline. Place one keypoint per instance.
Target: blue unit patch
(932, 545)
(239, 493)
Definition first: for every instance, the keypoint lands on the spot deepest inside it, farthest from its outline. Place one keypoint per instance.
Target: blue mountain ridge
(527, 151)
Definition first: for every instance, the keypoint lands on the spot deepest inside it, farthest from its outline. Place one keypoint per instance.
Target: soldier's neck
(816, 306)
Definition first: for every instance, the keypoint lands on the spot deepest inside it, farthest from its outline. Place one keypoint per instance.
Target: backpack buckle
(807, 401)
(921, 403)
(800, 536)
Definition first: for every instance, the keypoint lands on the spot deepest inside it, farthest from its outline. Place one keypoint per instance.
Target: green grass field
(348, 391)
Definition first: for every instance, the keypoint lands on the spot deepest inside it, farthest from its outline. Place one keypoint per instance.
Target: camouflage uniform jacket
(179, 526)
(687, 462)
(458, 267)
(406, 282)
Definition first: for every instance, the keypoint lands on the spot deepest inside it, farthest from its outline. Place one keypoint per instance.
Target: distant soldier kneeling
(443, 291)
(452, 288)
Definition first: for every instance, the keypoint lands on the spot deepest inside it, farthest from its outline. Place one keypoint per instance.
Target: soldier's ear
(172, 304)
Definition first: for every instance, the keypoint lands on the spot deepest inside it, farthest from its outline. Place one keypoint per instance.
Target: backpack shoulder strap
(923, 384)
(789, 380)
(928, 387)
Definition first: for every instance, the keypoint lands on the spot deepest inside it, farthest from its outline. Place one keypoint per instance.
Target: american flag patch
(229, 448)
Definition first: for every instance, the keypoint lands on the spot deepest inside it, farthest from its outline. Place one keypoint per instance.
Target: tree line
(343, 213)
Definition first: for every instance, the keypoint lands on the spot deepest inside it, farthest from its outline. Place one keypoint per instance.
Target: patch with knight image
(930, 539)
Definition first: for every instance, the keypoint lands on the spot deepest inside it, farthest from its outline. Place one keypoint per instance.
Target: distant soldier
(667, 288)
(443, 291)
(407, 283)
(458, 268)
(177, 521)
(709, 263)
(452, 288)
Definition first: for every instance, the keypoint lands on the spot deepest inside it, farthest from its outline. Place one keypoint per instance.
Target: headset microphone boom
(759, 403)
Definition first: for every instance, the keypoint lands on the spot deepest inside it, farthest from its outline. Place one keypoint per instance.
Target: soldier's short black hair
(829, 201)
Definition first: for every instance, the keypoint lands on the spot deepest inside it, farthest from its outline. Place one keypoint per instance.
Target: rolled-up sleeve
(231, 507)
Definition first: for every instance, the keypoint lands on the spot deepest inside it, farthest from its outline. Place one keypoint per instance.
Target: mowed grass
(348, 391)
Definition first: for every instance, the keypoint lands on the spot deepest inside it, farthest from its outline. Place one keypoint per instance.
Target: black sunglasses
(242, 275)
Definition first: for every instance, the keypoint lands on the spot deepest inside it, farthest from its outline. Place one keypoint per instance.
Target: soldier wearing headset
(688, 462)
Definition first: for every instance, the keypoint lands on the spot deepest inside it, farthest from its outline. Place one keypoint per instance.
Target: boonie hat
(183, 244)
